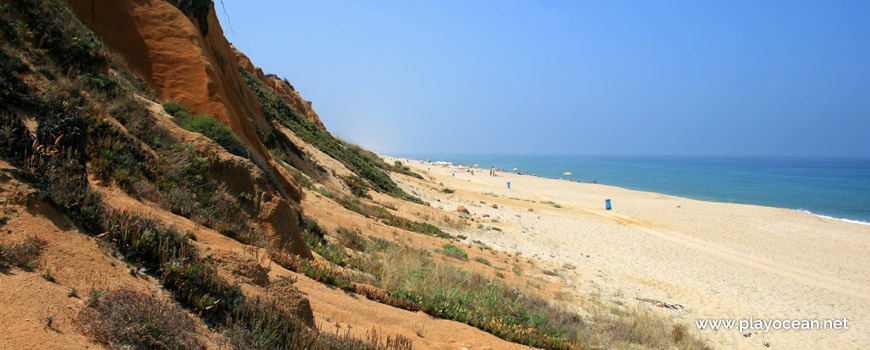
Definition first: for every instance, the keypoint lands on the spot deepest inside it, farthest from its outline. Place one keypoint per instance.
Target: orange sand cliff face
(166, 47)
(168, 50)
(286, 92)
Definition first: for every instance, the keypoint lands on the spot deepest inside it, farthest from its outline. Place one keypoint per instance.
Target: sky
(730, 78)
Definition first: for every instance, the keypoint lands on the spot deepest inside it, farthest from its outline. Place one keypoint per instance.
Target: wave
(833, 218)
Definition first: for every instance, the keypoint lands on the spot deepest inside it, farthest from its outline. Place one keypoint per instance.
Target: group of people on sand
(494, 172)
(585, 182)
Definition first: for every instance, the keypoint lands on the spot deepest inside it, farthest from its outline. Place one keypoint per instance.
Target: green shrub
(454, 252)
(447, 190)
(482, 261)
(322, 192)
(299, 177)
(380, 244)
(208, 126)
(398, 167)
(313, 235)
(371, 211)
(416, 226)
(175, 109)
(357, 186)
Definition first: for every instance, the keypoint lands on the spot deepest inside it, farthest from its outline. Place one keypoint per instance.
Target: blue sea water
(832, 187)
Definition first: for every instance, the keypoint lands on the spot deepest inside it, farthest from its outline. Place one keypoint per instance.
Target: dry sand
(718, 260)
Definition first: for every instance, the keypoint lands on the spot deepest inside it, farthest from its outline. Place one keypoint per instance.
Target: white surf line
(859, 222)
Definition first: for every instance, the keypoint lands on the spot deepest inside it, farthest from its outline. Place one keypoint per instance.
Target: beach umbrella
(475, 165)
(568, 173)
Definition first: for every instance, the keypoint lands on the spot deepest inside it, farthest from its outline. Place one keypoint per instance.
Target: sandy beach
(717, 260)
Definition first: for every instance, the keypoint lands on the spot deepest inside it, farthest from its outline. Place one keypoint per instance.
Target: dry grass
(607, 326)
(126, 319)
(352, 239)
(641, 326)
(21, 254)
(615, 326)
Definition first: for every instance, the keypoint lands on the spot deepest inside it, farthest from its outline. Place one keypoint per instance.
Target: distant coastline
(837, 189)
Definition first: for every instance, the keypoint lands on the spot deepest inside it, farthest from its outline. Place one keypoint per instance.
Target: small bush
(175, 109)
(357, 186)
(322, 192)
(482, 261)
(21, 254)
(454, 252)
(299, 177)
(126, 319)
(371, 211)
(207, 126)
(313, 235)
(381, 244)
(641, 326)
(398, 167)
(352, 239)
(415, 226)
(447, 190)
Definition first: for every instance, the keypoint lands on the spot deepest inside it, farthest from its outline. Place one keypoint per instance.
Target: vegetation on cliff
(84, 129)
(208, 126)
(362, 162)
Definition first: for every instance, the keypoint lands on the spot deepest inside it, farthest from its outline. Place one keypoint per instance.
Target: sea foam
(833, 218)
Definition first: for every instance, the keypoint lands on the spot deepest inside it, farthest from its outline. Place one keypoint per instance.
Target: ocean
(836, 188)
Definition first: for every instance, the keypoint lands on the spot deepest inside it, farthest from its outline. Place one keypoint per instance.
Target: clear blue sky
(573, 77)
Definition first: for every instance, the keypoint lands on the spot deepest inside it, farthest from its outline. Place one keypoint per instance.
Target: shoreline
(859, 222)
(724, 201)
(718, 260)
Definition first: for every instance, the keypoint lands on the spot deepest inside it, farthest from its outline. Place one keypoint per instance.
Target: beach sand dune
(718, 260)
